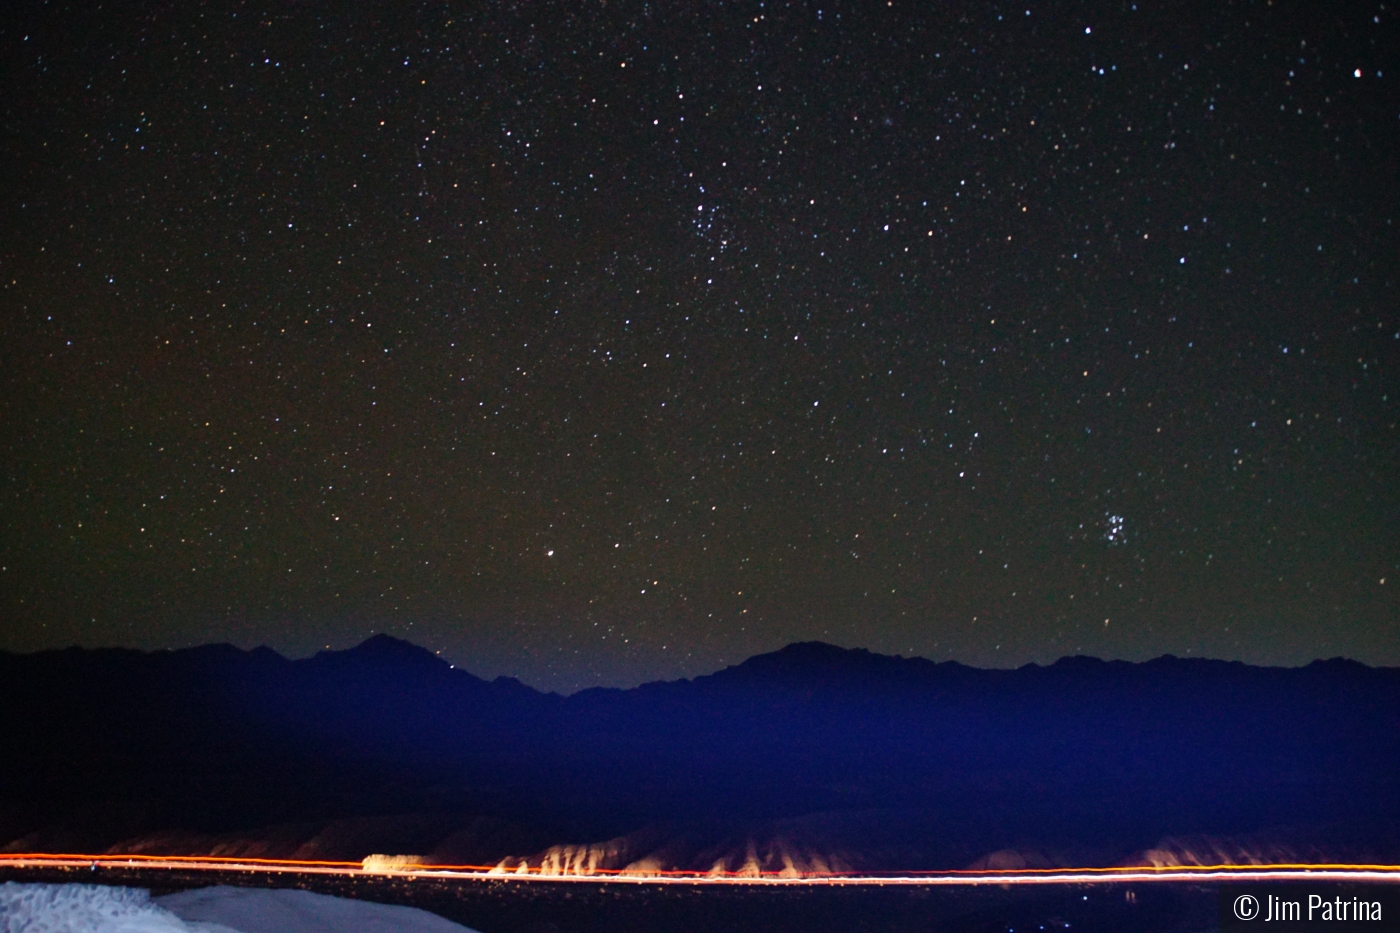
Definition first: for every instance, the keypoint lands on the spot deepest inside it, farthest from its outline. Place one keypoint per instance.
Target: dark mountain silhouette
(809, 758)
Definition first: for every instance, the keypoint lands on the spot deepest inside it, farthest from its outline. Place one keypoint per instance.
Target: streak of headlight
(1291, 871)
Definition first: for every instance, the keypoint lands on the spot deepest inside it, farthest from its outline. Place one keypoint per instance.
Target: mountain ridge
(382, 648)
(223, 745)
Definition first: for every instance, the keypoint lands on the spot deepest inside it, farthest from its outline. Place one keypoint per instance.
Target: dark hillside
(937, 763)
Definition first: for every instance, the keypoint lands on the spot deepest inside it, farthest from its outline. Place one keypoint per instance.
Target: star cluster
(602, 342)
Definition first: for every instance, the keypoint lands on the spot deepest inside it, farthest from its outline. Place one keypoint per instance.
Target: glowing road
(1193, 874)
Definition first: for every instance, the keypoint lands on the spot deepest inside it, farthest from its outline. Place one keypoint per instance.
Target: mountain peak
(816, 650)
(805, 655)
(386, 648)
(806, 661)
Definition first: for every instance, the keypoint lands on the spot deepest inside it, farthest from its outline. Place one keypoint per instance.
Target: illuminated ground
(1149, 900)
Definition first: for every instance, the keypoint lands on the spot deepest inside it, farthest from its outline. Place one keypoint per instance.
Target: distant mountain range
(811, 758)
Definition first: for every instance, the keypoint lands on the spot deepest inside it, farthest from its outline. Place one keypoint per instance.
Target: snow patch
(87, 908)
(91, 908)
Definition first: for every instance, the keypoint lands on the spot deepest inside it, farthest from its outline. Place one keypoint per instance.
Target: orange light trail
(1178, 873)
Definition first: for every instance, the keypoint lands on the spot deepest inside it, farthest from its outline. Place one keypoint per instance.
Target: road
(1202, 874)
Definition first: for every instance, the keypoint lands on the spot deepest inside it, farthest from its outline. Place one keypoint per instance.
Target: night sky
(603, 342)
